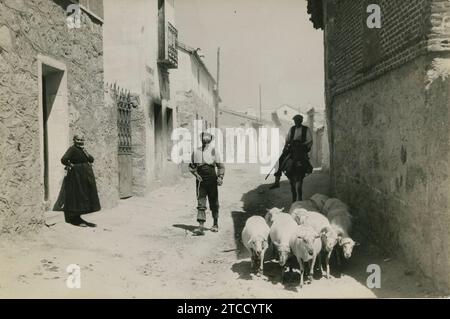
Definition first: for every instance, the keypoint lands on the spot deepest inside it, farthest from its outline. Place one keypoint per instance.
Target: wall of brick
(30, 28)
(358, 54)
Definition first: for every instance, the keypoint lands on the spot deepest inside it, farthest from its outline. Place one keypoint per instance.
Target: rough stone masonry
(38, 27)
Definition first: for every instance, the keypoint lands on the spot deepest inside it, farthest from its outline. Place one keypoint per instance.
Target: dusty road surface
(144, 248)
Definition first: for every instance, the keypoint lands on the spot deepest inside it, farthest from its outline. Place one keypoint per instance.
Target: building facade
(285, 113)
(140, 53)
(387, 97)
(51, 86)
(232, 119)
(193, 90)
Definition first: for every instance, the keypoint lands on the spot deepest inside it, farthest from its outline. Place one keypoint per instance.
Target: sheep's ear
(267, 209)
(317, 236)
(282, 209)
(357, 244)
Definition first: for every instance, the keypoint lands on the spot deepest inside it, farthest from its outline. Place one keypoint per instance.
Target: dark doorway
(169, 129)
(158, 134)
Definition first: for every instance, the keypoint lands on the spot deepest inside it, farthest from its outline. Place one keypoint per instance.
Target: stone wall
(28, 29)
(387, 107)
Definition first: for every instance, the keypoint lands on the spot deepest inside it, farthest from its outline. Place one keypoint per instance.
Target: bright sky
(271, 42)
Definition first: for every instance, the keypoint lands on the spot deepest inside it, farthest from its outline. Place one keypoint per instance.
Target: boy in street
(203, 165)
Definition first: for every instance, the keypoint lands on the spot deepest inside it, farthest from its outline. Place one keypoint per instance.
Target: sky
(267, 42)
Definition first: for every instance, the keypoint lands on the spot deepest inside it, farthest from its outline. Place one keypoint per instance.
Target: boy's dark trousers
(207, 189)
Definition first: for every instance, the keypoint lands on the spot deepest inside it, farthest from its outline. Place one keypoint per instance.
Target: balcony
(168, 56)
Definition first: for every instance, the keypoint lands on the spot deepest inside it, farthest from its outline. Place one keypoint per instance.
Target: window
(167, 36)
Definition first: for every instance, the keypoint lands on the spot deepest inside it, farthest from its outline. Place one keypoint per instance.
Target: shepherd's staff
(285, 150)
(269, 173)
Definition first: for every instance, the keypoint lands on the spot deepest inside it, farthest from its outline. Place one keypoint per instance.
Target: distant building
(286, 113)
(233, 119)
(193, 89)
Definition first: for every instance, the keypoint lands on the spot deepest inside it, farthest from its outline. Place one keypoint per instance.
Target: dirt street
(144, 248)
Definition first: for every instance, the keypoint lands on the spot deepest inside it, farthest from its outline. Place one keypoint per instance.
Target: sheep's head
(329, 238)
(271, 213)
(307, 235)
(284, 253)
(347, 245)
(299, 215)
(259, 245)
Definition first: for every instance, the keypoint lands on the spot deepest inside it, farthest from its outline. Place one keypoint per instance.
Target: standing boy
(203, 165)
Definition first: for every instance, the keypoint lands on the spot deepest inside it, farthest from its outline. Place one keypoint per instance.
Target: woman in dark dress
(79, 187)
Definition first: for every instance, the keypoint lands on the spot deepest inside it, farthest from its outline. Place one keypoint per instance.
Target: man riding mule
(294, 161)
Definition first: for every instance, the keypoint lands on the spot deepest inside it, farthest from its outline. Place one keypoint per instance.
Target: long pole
(217, 88)
(260, 104)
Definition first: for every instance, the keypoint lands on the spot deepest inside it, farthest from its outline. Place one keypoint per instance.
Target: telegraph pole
(217, 89)
(260, 104)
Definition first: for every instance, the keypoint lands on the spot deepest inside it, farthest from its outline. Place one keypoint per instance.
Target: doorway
(54, 125)
(158, 135)
(169, 129)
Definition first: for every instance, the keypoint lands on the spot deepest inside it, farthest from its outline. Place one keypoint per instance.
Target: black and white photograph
(224, 149)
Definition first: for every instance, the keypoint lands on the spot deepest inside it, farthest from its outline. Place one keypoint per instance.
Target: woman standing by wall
(79, 190)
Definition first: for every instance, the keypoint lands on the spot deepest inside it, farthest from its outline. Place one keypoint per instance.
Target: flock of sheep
(310, 231)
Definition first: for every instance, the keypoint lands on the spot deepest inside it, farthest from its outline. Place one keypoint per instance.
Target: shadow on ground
(189, 228)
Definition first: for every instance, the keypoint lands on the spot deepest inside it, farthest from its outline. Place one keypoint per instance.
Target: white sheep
(271, 215)
(341, 222)
(306, 245)
(332, 204)
(255, 236)
(342, 218)
(310, 218)
(280, 234)
(319, 200)
(309, 205)
(322, 226)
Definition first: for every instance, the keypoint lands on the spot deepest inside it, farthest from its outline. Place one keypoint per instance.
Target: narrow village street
(144, 248)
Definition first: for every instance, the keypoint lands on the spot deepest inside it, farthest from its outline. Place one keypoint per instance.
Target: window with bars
(168, 36)
(172, 38)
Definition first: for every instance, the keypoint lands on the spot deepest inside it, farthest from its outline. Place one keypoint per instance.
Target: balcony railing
(170, 57)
